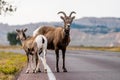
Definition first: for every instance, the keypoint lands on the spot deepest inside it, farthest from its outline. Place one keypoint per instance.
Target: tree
(11, 37)
(5, 7)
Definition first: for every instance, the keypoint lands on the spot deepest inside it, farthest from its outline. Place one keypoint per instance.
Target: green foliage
(10, 64)
(11, 37)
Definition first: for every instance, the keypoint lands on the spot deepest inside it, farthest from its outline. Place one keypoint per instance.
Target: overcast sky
(32, 11)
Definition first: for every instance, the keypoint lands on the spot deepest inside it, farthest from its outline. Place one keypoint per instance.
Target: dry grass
(114, 49)
(10, 47)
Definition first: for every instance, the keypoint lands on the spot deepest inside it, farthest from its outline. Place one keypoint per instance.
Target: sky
(33, 11)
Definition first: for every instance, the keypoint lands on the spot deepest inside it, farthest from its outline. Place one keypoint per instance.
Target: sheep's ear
(17, 30)
(25, 30)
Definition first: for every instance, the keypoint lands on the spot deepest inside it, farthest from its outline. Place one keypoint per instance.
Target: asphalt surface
(81, 65)
(88, 65)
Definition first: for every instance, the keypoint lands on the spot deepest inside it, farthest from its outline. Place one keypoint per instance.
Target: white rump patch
(35, 32)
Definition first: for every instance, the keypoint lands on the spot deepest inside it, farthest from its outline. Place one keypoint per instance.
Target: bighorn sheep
(33, 47)
(58, 37)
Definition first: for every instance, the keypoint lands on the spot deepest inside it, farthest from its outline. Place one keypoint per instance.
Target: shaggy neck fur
(66, 32)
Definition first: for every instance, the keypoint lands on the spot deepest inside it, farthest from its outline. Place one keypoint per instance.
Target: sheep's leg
(28, 64)
(44, 62)
(33, 63)
(38, 64)
(57, 59)
(63, 56)
(37, 69)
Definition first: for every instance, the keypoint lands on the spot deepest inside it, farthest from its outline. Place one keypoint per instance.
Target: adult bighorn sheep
(33, 46)
(58, 37)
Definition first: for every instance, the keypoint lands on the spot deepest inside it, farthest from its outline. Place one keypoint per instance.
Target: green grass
(11, 64)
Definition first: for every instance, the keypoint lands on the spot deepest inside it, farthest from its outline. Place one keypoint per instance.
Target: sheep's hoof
(45, 70)
(27, 72)
(33, 71)
(57, 69)
(39, 70)
(64, 70)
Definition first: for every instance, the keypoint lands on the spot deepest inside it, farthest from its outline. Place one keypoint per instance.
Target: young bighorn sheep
(38, 46)
(58, 37)
(33, 46)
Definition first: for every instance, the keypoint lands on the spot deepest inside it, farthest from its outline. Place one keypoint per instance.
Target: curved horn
(72, 13)
(62, 13)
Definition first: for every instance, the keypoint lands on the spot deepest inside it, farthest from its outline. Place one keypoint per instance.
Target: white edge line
(49, 71)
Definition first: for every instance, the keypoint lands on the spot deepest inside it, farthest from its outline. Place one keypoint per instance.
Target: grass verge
(10, 64)
(10, 47)
(113, 49)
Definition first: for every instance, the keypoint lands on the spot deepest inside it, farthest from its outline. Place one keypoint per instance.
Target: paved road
(88, 65)
(81, 65)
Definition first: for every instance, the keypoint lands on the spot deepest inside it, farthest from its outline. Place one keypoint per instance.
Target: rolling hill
(87, 31)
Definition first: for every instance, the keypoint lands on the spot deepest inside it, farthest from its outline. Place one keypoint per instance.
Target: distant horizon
(93, 31)
(57, 21)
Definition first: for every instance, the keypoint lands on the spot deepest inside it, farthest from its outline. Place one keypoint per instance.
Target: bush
(11, 37)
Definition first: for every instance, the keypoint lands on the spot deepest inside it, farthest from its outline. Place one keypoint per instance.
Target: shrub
(11, 37)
